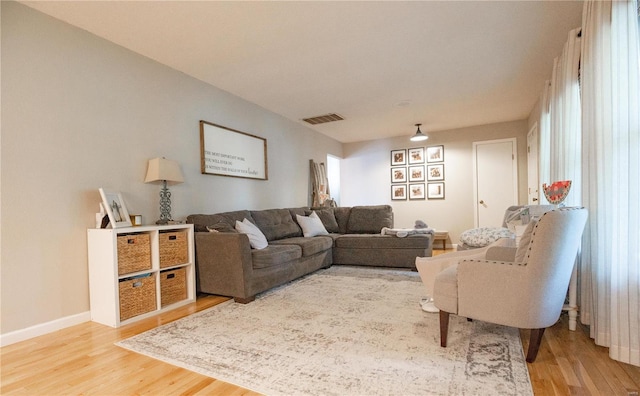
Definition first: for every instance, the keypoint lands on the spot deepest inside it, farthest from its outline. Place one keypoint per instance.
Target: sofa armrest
(224, 263)
(501, 253)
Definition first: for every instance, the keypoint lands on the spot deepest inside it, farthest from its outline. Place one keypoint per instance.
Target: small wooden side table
(441, 235)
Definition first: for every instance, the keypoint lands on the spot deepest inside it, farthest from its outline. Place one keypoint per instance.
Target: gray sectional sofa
(227, 265)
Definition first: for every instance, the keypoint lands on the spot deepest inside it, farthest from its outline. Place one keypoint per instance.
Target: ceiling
(383, 66)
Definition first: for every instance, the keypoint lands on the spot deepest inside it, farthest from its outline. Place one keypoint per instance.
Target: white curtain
(610, 272)
(544, 151)
(565, 124)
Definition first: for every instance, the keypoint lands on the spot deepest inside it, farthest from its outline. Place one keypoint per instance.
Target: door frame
(533, 197)
(514, 156)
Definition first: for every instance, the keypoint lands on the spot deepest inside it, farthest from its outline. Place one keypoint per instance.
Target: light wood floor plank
(83, 360)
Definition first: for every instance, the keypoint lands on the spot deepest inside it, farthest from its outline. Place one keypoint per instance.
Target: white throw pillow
(256, 237)
(311, 225)
(525, 241)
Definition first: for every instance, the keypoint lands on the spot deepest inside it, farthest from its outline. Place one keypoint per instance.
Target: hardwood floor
(84, 360)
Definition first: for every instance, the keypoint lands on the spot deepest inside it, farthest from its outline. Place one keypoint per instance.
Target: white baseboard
(43, 328)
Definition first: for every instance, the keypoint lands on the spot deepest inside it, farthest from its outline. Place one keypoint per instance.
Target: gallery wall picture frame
(399, 174)
(435, 190)
(416, 191)
(435, 172)
(435, 154)
(416, 173)
(398, 157)
(416, 155)
(228, 152)
(399, 192)
(115, 207)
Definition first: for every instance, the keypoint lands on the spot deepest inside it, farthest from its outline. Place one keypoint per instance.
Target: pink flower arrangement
(557, 192)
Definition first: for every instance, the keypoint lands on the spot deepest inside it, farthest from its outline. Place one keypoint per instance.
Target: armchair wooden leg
(444, 327)
(534, 344)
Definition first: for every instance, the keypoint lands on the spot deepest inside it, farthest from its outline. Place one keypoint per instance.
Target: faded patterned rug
(342, 331)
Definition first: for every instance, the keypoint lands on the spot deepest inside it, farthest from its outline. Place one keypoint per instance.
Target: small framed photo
(116, 209)
(416, 173)
(416, 191)
(399, 174)
(398, 157)
(435, 190)
(399, 192)
(416, 155)
(435, 154)
(435, 172)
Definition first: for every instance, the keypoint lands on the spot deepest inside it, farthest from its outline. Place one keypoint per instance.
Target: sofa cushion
(522, 252)
(222, 226)
(311, 225)
(309, 246)
(303, 211)
(276, 223)
(201, 221)
(342, 218)
(369, 219)
(328, 218)
(377, 241)
(257, 239)
(275, 255)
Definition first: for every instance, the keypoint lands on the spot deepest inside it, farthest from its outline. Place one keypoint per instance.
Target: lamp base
(162, 222)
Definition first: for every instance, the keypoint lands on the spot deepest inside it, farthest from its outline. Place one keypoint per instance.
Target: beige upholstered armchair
(522, 287)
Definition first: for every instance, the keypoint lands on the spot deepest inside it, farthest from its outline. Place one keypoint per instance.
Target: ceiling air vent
(323, 118)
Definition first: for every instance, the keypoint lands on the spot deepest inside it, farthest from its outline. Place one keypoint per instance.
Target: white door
(496, 180)
(533, 189)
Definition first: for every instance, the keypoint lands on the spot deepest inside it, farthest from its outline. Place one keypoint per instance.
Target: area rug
(342, 331)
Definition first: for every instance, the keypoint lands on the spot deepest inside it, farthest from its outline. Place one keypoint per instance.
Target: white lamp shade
(163, 169)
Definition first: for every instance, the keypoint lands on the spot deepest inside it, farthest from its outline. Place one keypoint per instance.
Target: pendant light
(419, 136)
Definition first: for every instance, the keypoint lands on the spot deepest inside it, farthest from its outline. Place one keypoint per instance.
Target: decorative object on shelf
(557, 192)
(435, 172)
(164, 170)
(136, 220)
(116, 209)
(419, 136)
(398, 157)
(416, 155)
(435, 190)
(227, 152)
(435, 154)
(416, 191)
(399, 192)
(416, 173)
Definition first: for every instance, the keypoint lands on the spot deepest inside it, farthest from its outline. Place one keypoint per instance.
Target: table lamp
(162, 169)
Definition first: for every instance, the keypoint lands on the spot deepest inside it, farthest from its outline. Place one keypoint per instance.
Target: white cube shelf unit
(138, 272)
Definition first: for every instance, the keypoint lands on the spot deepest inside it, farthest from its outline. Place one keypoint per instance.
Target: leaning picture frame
(116, 209)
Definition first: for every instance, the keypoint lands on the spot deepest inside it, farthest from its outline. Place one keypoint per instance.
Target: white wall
(366, 175)
(79, 113)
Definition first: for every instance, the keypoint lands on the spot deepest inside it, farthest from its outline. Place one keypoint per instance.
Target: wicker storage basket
(173, 248)
(134, 253)
(137, 296)
(173, 286)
